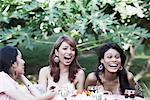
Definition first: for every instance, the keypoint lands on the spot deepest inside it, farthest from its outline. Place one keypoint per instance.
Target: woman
(63, 68)
(11, 70)
(110, 74)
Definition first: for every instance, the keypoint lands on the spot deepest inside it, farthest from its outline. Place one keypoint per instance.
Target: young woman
(11, 70)
(63, 68)
(110, 74)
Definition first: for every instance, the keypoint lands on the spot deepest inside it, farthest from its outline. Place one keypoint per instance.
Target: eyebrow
(111, 54)
(65, 46)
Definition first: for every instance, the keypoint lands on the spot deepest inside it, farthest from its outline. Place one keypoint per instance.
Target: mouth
(113, 65)
(67, 57)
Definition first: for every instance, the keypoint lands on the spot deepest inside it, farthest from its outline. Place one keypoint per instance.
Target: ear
(56, 52)
(14, 65)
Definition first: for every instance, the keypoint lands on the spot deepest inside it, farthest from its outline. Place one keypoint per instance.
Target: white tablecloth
(96, 97)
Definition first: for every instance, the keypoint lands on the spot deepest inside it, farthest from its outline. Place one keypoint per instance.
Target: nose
(23, 61)
(114, 59)
(69, 51)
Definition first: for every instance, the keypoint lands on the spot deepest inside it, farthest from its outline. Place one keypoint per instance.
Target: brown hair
(74, 66)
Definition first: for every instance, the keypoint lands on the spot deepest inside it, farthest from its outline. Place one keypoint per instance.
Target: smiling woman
(11, 70)
(64, 69)
(111, 74)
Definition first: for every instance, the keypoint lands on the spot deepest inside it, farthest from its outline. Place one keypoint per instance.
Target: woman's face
(111, 60)
(66, 53)
(20, 64)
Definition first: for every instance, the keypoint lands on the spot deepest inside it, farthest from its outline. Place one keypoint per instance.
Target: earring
(120, 68)
(56, 59)
(100, 67)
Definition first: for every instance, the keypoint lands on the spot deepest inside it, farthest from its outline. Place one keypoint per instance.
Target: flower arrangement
(84, 95)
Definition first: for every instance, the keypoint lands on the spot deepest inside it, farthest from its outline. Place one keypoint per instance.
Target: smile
(113, 65)
(67, 58)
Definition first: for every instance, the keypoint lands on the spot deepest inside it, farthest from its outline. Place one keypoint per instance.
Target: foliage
(32, 23)
(89, 22)
(32, 20)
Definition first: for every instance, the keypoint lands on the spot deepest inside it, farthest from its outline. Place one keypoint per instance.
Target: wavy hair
(54, 67)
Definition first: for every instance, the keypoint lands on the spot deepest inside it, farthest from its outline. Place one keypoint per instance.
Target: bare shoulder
(91, 76)
(91, 80)
(81, 72)
(45, 70)
(130, 75)
(131, 79)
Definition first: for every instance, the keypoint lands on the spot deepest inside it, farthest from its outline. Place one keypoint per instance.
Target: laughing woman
(111, 74)
(64, 69)
(11, 70)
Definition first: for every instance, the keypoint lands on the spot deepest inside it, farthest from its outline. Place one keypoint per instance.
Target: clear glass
(63, 92)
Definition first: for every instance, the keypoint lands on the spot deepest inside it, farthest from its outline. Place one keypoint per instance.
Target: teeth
(113, 65)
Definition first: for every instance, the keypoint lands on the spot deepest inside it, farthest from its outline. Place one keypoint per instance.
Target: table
(119, 97)
(96, 96)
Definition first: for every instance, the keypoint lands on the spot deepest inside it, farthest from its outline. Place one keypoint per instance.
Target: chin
(67, 64)
(113, 71)
(22, 73)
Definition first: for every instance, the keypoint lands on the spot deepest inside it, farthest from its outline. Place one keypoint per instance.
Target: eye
(109, 56)
(117, 56)
(72, 49)
(64, 48)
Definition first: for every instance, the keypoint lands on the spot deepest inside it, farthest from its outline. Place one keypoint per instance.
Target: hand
(51, 92)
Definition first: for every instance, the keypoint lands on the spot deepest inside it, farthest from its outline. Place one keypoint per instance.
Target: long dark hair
(8, 56)
(124, 84)
(55, 70)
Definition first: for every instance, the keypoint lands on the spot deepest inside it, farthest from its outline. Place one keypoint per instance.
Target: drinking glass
(63, 92)
(92, 88)
(129, 93)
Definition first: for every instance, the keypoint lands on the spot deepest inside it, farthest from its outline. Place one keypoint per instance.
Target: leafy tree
(89, 22)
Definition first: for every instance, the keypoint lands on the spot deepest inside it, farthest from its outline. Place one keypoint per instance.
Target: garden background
(34, 25)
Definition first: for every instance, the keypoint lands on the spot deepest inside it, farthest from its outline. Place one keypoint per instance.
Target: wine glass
(92, 88)
(129, 93)
(63, 92)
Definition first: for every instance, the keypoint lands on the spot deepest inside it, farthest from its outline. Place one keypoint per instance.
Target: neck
(110, 76)
(63, 69)
(13, 77)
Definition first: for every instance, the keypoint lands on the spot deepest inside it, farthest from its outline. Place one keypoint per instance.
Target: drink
(129, 93)
(92, 88)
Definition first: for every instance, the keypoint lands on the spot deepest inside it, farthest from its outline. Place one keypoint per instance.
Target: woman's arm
(36, 93)
(131, 80)
(43, 77)
(91, 80)
(134, 85)
(80, 80)
(19, 95)
(33, 90)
